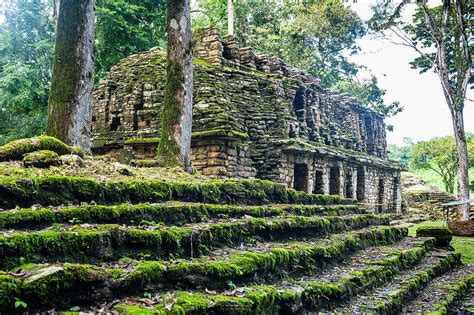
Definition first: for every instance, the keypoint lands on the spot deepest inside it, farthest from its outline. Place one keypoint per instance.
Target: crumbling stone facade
(253, 116)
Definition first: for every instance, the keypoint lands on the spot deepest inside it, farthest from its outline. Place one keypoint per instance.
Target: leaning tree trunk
(175, 138)
(70, 98)
(462, 165)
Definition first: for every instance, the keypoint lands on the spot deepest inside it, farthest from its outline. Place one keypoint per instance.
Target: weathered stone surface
(253, 116)
(41, 159)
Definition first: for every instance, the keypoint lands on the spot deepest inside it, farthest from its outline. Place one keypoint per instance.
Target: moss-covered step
(171, 213)
(272, 260)
(59, 190)
(333, 284)
(70, 283)
(85, 243)
(442, 295)
(391, 298)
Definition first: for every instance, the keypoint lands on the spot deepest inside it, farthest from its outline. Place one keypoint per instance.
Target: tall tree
(175, 138)
(70, 99)
(445, 30)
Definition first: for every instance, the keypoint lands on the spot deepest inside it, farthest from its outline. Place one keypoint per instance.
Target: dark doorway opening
(318, 182)
(115, 123)
(381, 198)
(334, 181)
(300, 179)
(360, 184)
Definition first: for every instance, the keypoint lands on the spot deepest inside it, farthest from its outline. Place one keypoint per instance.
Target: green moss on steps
(9, 290)
(109, 241)
(173, 213)
(16, 149)
(56, 190)
(393, 301)
(146, 273)
(306, 296)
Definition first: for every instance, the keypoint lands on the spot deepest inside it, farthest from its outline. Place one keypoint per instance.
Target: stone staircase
(223, 247)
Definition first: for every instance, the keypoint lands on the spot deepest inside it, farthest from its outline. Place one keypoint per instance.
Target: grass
(462, 244)
(433, 179)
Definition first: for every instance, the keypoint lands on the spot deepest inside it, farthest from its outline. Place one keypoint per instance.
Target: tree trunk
(70, 98)
(56, 9)
(230, 17)
(462, 165)
(175, 138)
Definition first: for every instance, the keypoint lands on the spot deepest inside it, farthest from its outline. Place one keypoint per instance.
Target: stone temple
(253, 116)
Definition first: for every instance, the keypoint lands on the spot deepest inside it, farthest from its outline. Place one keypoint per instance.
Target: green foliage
(439, 155)
(418, 30)
(126, 27)
(401, 153)
(26, 45)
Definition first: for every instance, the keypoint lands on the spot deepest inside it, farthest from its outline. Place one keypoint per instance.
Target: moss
(70, 281)
(42, 158)
(16, 149)
(66, 78)
(219, 133)
(56, 190)
(140, 141)
(9, 290)
(109, 241)
(146, 273)
(202, 63)
(126, 309)
(168, 152)
(393, 301)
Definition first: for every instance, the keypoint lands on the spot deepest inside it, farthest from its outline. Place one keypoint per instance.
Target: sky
(425, 114)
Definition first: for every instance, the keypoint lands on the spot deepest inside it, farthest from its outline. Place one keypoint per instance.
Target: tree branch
(442, 68)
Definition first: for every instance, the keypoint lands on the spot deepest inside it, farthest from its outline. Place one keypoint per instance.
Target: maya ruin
(253, 116)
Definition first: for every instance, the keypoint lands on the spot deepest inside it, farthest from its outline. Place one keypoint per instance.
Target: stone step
(390, 298)
(442, 295)
(90, 243)
(333, 284)
(171, 213)
(73, 283)
(63, 190)
(265, 262)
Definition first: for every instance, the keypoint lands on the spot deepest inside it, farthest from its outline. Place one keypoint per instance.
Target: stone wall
(253, 116)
